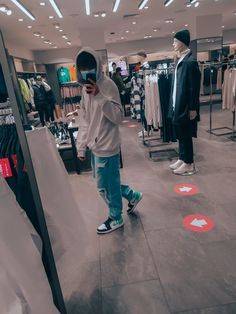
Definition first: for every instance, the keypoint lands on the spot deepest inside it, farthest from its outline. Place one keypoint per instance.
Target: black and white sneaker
(110, 225)
(133, 204)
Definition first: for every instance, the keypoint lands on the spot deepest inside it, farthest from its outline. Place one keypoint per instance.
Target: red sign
(5, 168)
(186, 189)
(198, 223)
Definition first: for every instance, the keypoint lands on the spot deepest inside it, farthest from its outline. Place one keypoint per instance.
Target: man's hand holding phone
(91, 87)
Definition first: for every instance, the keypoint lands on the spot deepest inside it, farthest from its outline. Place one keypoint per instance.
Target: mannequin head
(181, 40)
(142, 56)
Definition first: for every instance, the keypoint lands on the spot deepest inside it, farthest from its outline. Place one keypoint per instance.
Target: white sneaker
(141, 133)
(176, 165)
(185, 170)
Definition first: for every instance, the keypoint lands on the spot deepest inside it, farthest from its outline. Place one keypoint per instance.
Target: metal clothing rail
(20, 116)
(214, 131)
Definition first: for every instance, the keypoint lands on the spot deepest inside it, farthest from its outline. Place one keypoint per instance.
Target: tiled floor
(154, 265)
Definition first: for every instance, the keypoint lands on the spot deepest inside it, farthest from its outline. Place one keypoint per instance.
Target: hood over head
(106, 86)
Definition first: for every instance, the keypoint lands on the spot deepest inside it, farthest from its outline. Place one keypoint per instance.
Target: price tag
(5, 168)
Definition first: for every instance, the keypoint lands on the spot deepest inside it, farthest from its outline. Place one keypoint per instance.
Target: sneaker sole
(111, 230)
(186, 174)
(133, 209)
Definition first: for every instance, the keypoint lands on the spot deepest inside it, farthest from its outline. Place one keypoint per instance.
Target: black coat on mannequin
(187, 98)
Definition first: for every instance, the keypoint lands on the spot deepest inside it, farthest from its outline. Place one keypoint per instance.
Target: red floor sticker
(198, 223)
(134, 126)
(186, 189)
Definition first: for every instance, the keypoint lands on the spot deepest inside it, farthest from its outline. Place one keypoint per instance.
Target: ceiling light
(223, 26)
(168, 2)
(127, 31)
(169, 21)
(196, 4)
(29, 26)
(173, 32)
(42, 3)
(60, 30)
(64, 36)
(134, 22)
(146, 7)
(103, 14)
(68, 43)
(42, 37)
(188, 5)
(51, 17)
(142, 4)
(155, 30)
(20, 20)
(56, 8)
(56, 25)
(50, 43)
(9, 12)
(122, 37)
(186, 25)
(150, 36)
(116, 5)
(37, 34)
(54, 47)
(46, 41)
(23, 9)
(3, 8)
(87, 6)
(96, 15)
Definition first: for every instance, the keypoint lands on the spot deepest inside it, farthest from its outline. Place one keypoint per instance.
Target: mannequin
(142, 56)
(184, 104)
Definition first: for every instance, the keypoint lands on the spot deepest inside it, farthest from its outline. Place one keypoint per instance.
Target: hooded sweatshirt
(100, 116)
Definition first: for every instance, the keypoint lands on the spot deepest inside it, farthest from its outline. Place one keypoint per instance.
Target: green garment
(25, 92)
(63, 75)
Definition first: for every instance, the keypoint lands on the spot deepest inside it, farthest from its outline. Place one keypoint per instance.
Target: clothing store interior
(95, 93)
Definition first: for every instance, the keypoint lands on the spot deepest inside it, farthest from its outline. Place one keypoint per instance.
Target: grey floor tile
(85, 290)
(139, 298)
(186, 271)
(125, 259)
(221, 309)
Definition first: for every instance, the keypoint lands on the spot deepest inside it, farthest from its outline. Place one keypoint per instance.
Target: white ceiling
(75, 19)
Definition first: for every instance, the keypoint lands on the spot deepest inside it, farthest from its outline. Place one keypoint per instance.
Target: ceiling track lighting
(23, 9)
(142, 4)
(87, 7)
(116, 5)
(56, 8)
(5, 9)
(168, 2)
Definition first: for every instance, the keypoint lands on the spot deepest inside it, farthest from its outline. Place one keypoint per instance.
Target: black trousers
(44, 115)
(186, 150)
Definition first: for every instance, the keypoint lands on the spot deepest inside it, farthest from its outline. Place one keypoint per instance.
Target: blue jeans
(107, 170)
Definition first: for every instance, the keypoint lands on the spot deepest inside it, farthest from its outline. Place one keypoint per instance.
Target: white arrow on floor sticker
(185, 189)
(198, 223)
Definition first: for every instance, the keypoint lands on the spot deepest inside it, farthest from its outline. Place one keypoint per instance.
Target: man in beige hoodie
(100, 115)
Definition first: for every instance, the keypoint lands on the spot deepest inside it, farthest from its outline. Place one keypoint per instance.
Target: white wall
(19, 51)
(53, 56)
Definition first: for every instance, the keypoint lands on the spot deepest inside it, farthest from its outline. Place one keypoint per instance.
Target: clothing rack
(214, 131)
(156, 142)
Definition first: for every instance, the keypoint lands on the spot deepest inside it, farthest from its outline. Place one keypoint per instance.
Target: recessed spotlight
(155, 30)
(188, 5)
(56, 25)
(60, 30)
(42, 37)
(51, 17)
(173, 32)
(64, 36)
(127, 31)
(68, 43)
(42, 3)
(50, 43)
(169, 21)
(20, 20)
(37, 34)
(150, 36)
(103, 14)
(134, 22)
(46, 41)
(54, 47)
(96, 15)
(197, 4)
(223, 26)
(122, 37)
(9, 12)
(146, 7)
(29, 26)
(186, 25)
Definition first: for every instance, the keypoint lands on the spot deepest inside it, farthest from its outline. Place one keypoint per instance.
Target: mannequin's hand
(192, 114)
(92, 88)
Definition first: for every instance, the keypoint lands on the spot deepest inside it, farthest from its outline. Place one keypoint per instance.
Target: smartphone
(92, 77)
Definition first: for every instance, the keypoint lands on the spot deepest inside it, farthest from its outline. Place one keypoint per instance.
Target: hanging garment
(72, 70)
(41, 103)
(3, 88)
(24, 287)
(63, 75)
(219, 79)
(229, 89)
(135, 99)
(25, 92)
